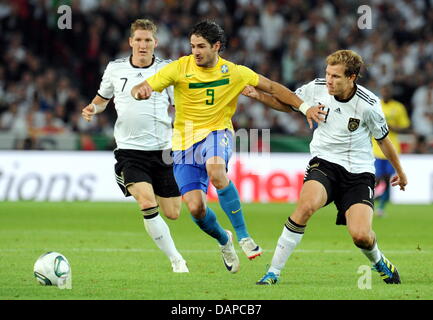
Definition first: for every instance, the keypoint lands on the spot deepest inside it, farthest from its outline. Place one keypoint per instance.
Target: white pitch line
(205, 251)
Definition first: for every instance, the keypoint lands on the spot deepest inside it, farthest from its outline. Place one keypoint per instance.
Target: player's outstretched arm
(142, 91)
(388, 150)
(97, 105)
(287, 97)
(267, 99)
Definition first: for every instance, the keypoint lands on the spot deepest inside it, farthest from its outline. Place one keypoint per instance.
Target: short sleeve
(165, 77)
(251, 78)
(106, 88)
(306, 92)
(376, 122)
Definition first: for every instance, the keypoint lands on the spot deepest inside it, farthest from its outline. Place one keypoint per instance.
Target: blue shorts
(189, 165)
(383, 168)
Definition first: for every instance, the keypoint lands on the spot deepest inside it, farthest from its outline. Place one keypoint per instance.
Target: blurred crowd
(47, 74)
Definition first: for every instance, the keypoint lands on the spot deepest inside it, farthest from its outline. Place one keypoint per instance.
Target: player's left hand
(399, 180)
(316, 114)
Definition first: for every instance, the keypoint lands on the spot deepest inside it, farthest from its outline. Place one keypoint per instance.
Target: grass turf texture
(113, 258)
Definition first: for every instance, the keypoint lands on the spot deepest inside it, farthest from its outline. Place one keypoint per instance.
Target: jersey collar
(134, 66)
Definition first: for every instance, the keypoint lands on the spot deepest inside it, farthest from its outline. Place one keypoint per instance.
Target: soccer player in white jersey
(143, 137)
(342, 168)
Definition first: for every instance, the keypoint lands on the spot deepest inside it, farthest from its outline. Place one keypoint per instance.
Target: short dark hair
(211, 31)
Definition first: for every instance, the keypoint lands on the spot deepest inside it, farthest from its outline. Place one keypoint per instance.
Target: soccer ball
(53, 269)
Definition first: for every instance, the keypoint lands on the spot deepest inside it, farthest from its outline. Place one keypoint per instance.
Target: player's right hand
(316, 114)
(141, 91)
(88, 112)
(400, 180)
(250, 91)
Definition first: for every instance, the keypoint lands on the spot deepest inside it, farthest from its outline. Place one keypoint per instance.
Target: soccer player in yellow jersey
(206, 90)
(398, 122)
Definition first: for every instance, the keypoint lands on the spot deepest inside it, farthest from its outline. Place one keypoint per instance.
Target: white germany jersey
(140, 125)
(344, 137)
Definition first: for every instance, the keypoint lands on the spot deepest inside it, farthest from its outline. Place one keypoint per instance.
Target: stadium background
(49, 154)
(48, 74)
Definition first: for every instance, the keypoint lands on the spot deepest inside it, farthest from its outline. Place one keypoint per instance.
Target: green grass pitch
(113, 258)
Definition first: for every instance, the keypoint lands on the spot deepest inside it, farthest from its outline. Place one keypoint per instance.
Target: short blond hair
(143, 24)
(350, 59)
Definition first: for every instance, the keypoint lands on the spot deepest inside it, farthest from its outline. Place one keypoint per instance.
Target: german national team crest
(224, 68)
(353, 124)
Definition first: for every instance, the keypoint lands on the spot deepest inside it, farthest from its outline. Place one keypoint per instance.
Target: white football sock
(374, 254)
(158, 230)
(285, 246)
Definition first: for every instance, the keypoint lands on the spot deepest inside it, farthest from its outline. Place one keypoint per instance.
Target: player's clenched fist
(250, 91)
(142, 91)
(88, 112)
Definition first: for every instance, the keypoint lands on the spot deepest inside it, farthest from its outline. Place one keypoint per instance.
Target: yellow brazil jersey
(396, 116)
(205, 98)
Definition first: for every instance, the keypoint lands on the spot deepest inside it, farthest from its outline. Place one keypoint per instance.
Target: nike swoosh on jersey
(236, 211)
(189, 75)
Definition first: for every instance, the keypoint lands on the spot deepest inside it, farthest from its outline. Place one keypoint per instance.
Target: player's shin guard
(288, 241)
(230, 202)
(210, 225)
(158, 230)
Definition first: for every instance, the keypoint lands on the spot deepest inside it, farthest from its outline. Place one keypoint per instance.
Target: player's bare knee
(218, 180)
(362, 239)
(143, 199)
(172, 213)
(305, 210)
(197, 209)
(218, 183)
(146, 203)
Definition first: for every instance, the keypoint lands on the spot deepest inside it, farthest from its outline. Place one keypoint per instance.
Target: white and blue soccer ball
(53, 269)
